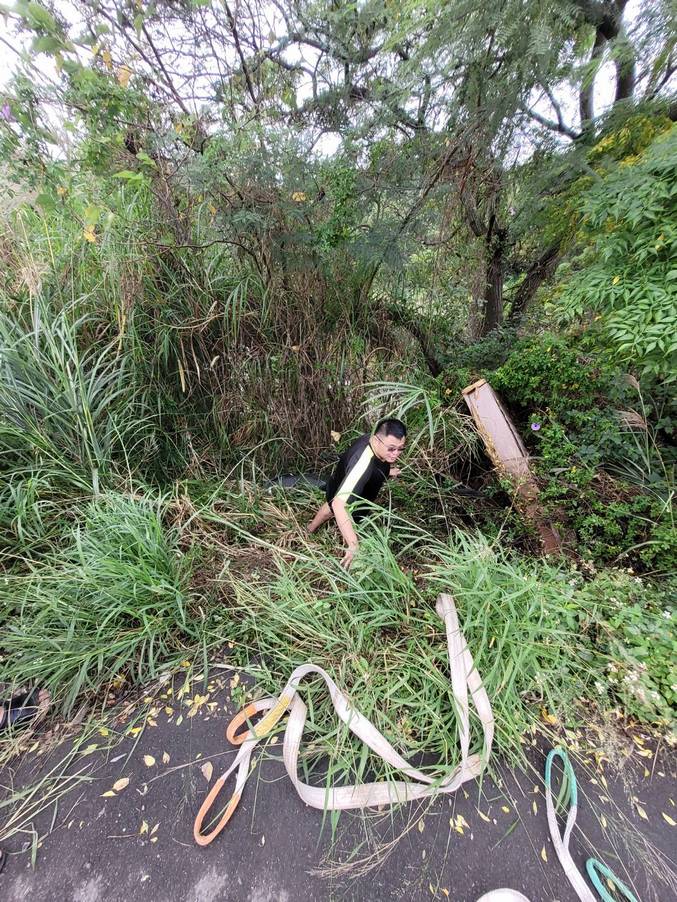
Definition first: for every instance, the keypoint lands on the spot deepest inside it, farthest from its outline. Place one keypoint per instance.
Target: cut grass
(376, 631)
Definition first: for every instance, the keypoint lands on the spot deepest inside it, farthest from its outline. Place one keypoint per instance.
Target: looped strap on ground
(464, 680)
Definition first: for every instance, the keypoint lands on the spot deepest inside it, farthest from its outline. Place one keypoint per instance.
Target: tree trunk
(585, 97)
(537, 273)
(625, 68)
(491, 305)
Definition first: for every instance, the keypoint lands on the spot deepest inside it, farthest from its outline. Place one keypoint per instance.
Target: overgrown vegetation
(196, 296)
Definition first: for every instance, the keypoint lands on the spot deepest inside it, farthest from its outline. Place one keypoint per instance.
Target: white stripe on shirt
(354, 475)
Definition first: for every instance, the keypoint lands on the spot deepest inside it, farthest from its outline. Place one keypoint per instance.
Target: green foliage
(603, 482)
(339, 181)
(111, 601)
(626, 272)
(547, 372)
(632, 626)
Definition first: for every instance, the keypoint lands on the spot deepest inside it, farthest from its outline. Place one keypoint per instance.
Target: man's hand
(394, 471)
(347, 558)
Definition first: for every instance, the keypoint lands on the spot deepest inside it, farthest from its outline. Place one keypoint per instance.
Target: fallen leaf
(144, 828)
(179, 720)
(154, 830)
(641, 812)
(168, 711)
(484, 817)
(207, 770)
(121, 784)
(134, 731)
(107, 795)
(165, 757)
(544, 854)
(668, 819)
(602, 821)
(421, 826)
(445, 891)
(149, 761)
(335, 436)
(505, 809)
(103, 731)
(549, 718)
(153, 839)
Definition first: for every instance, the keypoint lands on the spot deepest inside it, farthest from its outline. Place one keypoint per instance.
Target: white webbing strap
(464, 677)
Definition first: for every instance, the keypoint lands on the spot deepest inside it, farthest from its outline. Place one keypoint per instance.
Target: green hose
(592, 866)
(568, 797)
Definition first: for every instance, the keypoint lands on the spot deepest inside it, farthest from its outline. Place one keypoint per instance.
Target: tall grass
(113, 601)
(66, 408)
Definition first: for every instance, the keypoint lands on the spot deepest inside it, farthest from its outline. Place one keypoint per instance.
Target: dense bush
(605, 478)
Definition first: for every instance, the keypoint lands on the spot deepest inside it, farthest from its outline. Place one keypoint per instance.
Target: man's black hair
(389, 426)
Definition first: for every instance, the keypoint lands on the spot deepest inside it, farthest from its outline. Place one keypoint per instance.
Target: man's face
(390, 447)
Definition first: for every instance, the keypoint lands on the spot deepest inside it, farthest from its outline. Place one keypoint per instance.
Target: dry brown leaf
(549, 718)
(121, 784)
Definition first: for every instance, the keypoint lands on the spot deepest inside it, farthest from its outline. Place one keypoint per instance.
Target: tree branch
(561, 129)
(236, 38)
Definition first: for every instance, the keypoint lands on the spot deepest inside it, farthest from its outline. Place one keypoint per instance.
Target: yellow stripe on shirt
(351, 478)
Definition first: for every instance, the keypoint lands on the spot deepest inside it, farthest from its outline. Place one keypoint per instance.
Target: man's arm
(354, 481)
(345, 525)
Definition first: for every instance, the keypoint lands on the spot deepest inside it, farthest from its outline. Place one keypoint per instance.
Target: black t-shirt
(358, 474)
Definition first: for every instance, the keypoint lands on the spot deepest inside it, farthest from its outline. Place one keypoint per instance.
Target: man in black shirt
(359, 474)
